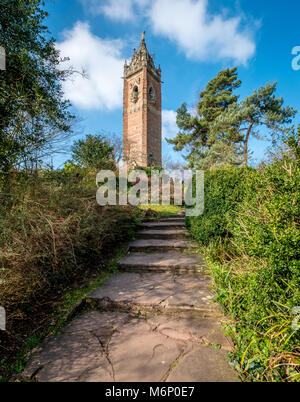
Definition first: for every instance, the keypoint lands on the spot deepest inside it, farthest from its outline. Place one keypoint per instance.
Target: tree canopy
(32, 108)
(194, 135)
(262, 108)
(92, 152)
(218, 134)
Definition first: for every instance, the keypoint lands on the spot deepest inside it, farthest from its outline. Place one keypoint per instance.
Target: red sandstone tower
(142, 110)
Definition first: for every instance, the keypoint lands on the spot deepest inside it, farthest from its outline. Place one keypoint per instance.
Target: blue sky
(192, 41)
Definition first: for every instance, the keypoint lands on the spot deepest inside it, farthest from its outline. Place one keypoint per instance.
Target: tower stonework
(142, 110)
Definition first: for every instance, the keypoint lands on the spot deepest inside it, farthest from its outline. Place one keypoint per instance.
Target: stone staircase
(156, 320)
(163, 246)
(160, 274)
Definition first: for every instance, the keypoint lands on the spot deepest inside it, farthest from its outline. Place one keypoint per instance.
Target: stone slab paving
(215, 368)
(161, 245)
(143, 326)
(172, 220)
(162, 262)
(163, 234)
(163, 225)
(161, 293)
(108, 347)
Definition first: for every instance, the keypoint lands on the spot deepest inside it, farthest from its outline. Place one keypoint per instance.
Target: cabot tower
(142, 109)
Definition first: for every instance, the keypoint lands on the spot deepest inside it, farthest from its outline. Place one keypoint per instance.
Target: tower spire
(141, 58)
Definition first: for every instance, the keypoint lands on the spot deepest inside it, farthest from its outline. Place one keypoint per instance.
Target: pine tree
(261, 109)
(195, 135)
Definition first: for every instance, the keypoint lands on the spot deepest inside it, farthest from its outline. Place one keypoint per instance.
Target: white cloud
(102, 61)
(186, 22)
(119, 10)
(201, 36)
(169, 126)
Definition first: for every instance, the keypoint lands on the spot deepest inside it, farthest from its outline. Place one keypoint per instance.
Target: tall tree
(195, 135)
(93, 152)
(32, 108)
(261, 109)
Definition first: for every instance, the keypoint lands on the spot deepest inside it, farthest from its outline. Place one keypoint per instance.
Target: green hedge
(266, 226)
(250, 226)
(224, 190)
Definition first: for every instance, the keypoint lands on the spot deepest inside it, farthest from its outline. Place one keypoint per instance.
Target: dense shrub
(53, 236)
(251, 225)
(224, 189)
(92, 152)
(267, 223)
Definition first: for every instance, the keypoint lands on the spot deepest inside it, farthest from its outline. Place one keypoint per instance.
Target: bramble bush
(53, 236)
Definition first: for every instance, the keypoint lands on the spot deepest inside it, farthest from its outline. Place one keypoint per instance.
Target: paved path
(156, 320)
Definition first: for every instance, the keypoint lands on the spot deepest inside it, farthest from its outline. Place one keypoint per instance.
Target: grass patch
(120, 253)
(266, 344)
(162, 210)
(72, 298)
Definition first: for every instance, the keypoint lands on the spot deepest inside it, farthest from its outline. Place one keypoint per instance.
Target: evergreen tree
(32, 108)
(261, 109)
(93, 152)
(223, 152)
(195, 135)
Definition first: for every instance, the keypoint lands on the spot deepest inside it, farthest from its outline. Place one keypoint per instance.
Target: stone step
(117, 347)
(163, 225)
(155, 292)
(176, 220)
(181, 234)
(163, 262)
(162, 245)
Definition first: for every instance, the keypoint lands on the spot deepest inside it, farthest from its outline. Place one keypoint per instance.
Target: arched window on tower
(151, 93)
(135, 94)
